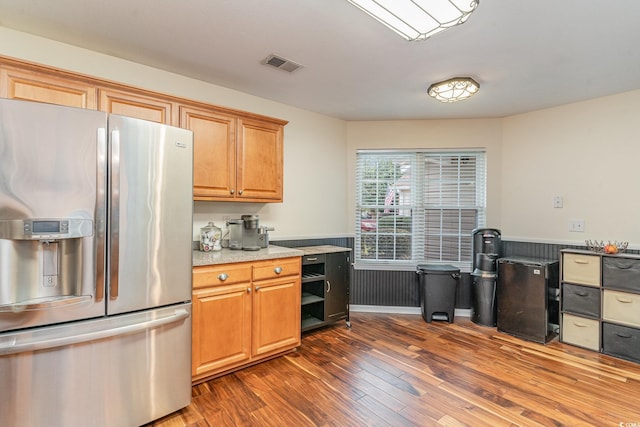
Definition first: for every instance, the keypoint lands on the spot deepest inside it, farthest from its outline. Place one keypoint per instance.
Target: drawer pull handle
(328, 286)
(581, 261)
(579, 325)
(277, 270)
(624, 300)
(312, 259)
(581, 293)
(223, 276)
(623, 335)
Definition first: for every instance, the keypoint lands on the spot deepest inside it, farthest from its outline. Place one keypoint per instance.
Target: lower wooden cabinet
(243, 313)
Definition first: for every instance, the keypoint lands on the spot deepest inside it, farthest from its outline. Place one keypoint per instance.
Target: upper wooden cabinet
(259, 164)
(150, 108)
(236, 158)
(31, 85)
(214, 156)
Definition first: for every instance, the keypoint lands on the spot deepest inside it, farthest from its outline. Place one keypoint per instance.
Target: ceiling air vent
(281, 63)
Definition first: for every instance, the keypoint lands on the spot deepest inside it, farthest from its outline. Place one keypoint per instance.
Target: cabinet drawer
(621, 341)
(313, 259)
(581, 331)
(581, 269)
(225, 274)
(581, 299)
(621, 307)
(621, 273)
(276, 268)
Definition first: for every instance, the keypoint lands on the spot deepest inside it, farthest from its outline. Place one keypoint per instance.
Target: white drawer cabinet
(621, 307)
(581, 269)
(581, 331)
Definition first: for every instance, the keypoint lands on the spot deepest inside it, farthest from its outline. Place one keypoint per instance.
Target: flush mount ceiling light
(418, 19)
(455, 89)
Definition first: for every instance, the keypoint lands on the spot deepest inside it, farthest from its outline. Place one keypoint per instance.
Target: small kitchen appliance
(486, 249)
(235, 227)
(250, 232)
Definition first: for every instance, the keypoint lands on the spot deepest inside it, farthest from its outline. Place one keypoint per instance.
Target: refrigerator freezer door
(117, 371)
(151, 214)
(49, 160)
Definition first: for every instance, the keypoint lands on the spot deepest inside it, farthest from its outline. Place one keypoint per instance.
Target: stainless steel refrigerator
(95, 267)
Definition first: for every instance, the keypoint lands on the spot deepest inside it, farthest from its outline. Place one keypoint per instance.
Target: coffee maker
(486, 248)
(244, 233)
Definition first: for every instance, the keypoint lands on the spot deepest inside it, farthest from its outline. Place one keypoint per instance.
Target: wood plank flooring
(397, 370)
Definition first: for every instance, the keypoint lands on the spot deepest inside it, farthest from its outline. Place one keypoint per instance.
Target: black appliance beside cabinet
(527, 298)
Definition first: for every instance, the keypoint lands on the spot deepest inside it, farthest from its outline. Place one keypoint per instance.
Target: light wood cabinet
(214, 155)
(260, 161)
(154, 109)
(29, 85)
(244, 313)
(236, 158)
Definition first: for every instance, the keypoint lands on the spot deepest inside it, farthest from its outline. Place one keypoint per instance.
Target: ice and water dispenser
(486, 249)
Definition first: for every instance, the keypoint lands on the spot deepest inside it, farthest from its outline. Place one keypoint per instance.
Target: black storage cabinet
(438, 286)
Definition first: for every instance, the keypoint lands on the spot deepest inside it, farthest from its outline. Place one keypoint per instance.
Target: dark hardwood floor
(397, 370)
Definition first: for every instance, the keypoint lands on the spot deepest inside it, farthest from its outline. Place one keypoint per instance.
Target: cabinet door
(214, 156)
(276, 315)
(259, 152)
(42, 87)
(221, 328)
(140, 107)
(336, 298)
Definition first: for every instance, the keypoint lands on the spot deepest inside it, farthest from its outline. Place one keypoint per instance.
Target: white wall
(588, 153)
(315, 158)
(437, 134)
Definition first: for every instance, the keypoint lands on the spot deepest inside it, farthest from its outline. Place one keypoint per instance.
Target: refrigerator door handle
(100, 214)
(114, 247)
(44, 304)
(42, 344)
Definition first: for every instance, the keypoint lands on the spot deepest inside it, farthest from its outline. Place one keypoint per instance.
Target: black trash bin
(483, 298)
(438, 285)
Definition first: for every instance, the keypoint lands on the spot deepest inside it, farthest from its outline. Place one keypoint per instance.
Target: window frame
(417, 182)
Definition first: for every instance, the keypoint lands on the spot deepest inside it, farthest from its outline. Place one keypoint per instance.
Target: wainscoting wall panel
(400, 288)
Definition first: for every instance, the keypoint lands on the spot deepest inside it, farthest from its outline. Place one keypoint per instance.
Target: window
(415, 207)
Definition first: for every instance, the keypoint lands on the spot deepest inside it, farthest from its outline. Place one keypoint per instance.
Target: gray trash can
(483, 298)
(438, 285)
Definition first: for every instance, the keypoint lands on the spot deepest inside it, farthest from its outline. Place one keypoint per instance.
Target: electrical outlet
(576, 225)
(557, 202)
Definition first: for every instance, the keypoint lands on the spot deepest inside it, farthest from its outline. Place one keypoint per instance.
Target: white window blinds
(417, 207)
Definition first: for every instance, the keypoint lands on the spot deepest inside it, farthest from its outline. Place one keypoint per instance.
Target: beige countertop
(226, 256)
(322, 249)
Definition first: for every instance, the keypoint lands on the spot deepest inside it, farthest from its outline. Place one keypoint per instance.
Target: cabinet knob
(232, 191)
(223, 276)
(257, 288)
(249, 290)
(240, 192)
(277, 270)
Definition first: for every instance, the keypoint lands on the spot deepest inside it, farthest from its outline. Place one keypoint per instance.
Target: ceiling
(526, 55)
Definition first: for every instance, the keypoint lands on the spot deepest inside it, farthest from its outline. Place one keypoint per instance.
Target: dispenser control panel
(45, 229)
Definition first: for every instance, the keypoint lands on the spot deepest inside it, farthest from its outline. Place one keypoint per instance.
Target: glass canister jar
(210, 238)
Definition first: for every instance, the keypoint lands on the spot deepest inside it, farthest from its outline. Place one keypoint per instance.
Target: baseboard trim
(462, 312)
